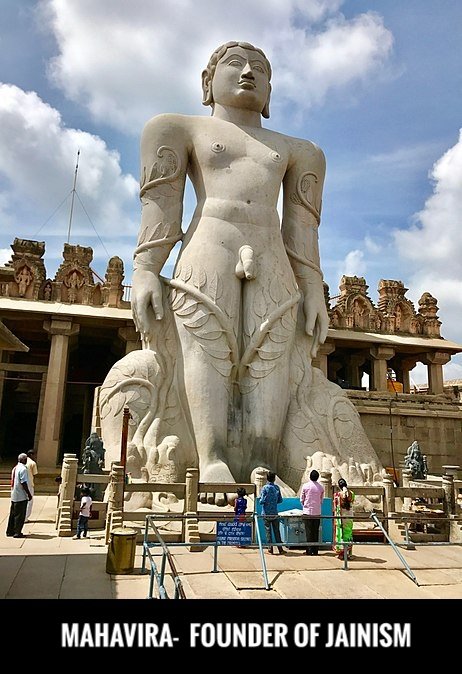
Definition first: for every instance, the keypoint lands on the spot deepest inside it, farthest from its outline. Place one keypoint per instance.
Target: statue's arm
(303, 185)
(164, 159)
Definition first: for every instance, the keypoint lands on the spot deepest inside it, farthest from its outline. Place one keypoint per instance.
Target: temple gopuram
(60, 336)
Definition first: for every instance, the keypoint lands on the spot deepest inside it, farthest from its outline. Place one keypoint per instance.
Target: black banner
(328, 627)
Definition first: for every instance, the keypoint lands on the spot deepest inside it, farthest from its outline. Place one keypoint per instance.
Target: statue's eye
(257, 66)
(236, 63)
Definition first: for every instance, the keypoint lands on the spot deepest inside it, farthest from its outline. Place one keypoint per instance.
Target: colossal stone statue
(228, 341)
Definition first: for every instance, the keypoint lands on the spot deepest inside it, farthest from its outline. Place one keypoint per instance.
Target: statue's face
(241, 80)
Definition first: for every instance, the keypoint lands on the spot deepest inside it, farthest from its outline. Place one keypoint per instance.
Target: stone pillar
(448, 486)
(403, 373)
(2, 382)
(325, 479)
(191, 526)
(87, 415)
(321, 358)
(53, 404)
(115, 503)
(131, 338)
(406, 377)
(260, 480)
(66, 496)
(95, 416)
(38, 424)
(407, 500)
(435, 362)
(389, 499)
(380, 356)
(355, 362)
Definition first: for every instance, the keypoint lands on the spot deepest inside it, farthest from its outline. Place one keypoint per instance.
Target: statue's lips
(247, 85)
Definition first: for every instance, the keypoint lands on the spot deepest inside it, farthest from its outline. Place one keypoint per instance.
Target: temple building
(59, 337)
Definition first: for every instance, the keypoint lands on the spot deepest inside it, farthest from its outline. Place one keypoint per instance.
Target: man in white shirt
(20, 495)
(31, 472)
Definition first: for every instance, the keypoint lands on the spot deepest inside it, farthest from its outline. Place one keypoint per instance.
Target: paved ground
(43, 566)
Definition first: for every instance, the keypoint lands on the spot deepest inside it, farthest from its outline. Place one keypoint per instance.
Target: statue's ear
(207, 96)
(265, 112)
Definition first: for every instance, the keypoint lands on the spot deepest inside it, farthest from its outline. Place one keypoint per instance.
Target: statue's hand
(146, 295)
(316, 316)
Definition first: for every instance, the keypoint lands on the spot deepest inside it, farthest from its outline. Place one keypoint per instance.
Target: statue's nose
(247, 71)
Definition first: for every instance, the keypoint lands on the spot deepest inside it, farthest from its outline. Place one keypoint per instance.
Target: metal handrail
(166, 557)
(227, 516)
(262, 555)
(408, 569)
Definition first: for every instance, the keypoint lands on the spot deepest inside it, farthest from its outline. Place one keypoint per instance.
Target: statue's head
(253, 66)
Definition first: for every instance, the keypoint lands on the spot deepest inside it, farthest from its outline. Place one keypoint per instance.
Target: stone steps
(5, 489)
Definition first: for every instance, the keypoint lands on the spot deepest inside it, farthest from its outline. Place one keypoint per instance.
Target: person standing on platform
(32, 471)
(240, 505)
(84, 514)
(343, 522)
(311, 498)
(20, 495)
(270, 496)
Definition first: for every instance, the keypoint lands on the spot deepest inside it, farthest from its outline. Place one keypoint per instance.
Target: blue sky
(376, 84)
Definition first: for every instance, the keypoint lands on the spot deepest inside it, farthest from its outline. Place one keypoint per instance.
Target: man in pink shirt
(311, 500)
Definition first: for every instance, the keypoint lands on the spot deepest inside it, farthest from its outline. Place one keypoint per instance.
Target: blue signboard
(234, 533)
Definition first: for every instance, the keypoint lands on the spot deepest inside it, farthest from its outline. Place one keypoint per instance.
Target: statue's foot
(286, 491)
(215, 472)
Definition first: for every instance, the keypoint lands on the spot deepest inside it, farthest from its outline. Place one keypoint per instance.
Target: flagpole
(73, 194)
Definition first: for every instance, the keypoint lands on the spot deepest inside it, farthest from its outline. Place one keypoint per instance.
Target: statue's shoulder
(302, 149)
(168, 123)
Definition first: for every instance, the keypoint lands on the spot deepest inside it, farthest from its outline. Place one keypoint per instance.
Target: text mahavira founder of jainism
(224, 381)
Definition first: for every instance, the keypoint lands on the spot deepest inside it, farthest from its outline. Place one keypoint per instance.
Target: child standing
(84, 514)
(240, 505)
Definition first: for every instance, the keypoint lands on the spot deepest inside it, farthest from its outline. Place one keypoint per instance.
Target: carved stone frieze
(28, 269)
(394, 314)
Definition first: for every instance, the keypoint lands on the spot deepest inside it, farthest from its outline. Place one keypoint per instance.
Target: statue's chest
(219, 151)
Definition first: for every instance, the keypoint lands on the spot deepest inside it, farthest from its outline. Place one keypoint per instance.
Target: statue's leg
(264, 413)
(270, 304)
(206, 310)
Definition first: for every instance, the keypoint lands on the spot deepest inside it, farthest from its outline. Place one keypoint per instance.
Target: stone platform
(43, 566)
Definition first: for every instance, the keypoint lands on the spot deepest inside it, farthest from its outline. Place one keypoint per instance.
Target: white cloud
(5, 255)
(353, 264)
(37, 160)
(126, 62)
(453, 370)
(432, 247)
(372, 246)
(404, 158)
(419, 375)
(436, 236)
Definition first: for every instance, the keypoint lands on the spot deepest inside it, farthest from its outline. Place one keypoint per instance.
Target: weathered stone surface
(228, 342)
